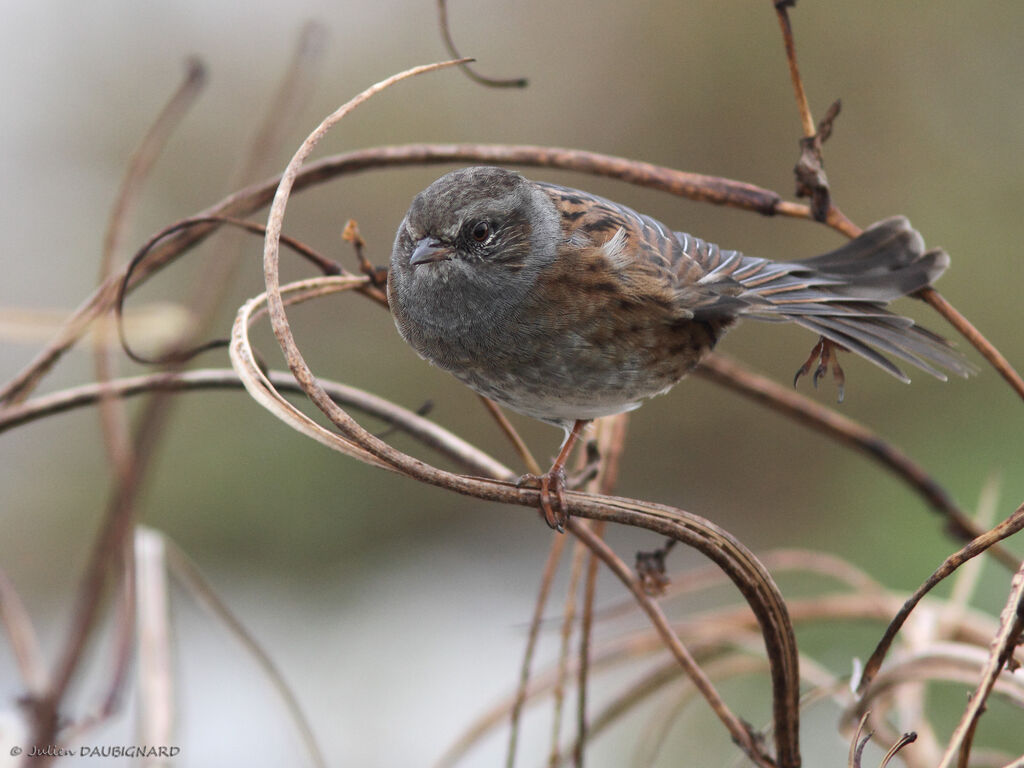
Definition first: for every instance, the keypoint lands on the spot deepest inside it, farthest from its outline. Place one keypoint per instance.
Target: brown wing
(650, 263)
(841, 295)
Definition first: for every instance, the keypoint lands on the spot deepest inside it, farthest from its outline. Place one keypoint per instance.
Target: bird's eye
(481, 231)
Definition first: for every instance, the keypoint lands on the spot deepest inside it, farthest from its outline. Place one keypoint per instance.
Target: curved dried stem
(138, 262)
(1008, 527)
(740, 731)
(903, 741)
(954, 662)
(425, 431)
(743, 568)
(490, 82)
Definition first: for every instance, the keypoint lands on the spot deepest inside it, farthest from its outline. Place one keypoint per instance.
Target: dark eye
(481, 231)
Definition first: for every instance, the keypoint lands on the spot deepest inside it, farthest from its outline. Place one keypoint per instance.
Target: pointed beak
(428, 250)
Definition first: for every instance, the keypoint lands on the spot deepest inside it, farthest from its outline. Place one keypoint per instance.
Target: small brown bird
(564, 306)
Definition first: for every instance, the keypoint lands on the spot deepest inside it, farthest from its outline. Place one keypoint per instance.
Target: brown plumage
(565, 306)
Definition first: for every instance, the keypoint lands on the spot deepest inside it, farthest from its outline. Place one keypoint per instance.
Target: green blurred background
(399, 610)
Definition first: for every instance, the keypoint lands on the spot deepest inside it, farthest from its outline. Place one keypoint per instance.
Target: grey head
(465, 257)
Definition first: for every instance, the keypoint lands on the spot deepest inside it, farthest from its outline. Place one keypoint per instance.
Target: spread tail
(842, 295)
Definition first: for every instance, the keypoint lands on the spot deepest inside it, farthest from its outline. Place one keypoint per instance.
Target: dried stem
(490, 82)
(565, 652)
(112, 419)
(1011, 625)
(734, 376)
(546, 580)
(611, 440)
(974, 336)
(513, 436)
(427, 432)
(283, 107)
(25, 648)
(806, 121)
(357, 442)
(710, 189)
(156, 666)
(189, 576)
(1008, 527)
(737, 728)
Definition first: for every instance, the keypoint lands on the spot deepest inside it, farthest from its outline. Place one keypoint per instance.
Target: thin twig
(280, 114)
(513, 436)
(610, 434)
(732, 375)
(565, 653)
(442, 12)
(903, 741)
(182, 353)
(806, 121)
(190, 577)
(544, 591)
(975, 337)
(113, 420)
(25, 648)
(737, 728)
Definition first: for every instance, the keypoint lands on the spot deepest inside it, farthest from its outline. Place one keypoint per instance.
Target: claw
(550, 484)
(555, 515)
(825, 353)
(804, 369)
(820, 371)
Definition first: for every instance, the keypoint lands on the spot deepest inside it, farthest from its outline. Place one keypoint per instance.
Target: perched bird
(565, 306)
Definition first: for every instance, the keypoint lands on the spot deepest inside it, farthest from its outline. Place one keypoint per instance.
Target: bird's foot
(553, 482)
(552, 495)
(825, 354)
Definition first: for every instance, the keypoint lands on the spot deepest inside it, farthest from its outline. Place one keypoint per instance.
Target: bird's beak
(427, 250)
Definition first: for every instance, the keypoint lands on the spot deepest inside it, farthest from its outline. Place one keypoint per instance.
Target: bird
(566, 307)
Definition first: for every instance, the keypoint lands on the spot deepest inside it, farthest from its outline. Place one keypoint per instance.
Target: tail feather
(842, 295)
(883, 246)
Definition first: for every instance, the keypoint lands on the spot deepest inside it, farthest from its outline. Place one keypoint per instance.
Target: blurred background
(398, 612)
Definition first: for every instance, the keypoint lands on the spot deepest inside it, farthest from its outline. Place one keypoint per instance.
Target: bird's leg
(552, 482)
(825, 354)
